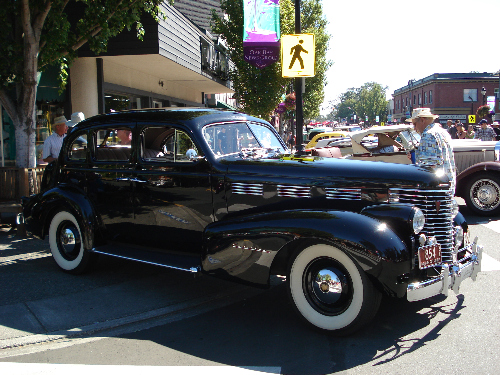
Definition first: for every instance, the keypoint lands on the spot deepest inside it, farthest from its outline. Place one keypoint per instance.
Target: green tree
(38, 33)
(367, 101)
(372, 102)
(259, 91)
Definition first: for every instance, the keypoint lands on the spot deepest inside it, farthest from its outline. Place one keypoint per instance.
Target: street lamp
(483, 91)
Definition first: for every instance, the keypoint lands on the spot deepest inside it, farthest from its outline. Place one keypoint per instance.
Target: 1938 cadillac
(217, 192)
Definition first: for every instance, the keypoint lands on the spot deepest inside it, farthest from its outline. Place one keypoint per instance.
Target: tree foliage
(259, 91)
(38, 33)
(367, 101)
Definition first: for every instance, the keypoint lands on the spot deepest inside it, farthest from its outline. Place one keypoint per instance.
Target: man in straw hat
(435, 144)
(53, 143)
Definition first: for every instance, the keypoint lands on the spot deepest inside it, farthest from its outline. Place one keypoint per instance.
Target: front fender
(246, 248)
(40, 209)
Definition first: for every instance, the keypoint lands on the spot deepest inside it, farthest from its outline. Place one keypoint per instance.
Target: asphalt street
(125, 314)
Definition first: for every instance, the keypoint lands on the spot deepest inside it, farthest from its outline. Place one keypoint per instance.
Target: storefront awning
(225, 106)
(48, 86)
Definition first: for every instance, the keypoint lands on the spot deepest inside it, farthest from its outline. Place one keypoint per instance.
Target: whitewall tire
(66, 243)
(330, 291)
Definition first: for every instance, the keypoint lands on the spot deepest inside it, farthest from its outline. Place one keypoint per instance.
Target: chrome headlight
(418, 220)
(454, 207)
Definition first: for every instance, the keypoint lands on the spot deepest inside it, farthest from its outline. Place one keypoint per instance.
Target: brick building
(452, 96)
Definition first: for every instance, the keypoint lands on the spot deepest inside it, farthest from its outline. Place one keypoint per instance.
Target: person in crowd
(485, 132)
(452, 129)
(470, 132)
(75, 119)
(496, 129)
(435, 144)
(448, 124)
(461, 132)
(125, 136)
(53, 143)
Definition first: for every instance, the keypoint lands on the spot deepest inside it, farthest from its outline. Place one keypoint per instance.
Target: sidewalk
(62, 306)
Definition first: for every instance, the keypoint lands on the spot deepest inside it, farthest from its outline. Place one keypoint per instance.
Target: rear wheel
(330, 291)
(482, 194)
(66, 244)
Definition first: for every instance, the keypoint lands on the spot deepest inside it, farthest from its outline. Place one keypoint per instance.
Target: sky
(391, 42)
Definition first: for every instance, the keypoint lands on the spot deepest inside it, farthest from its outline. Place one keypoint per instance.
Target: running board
(177, 262)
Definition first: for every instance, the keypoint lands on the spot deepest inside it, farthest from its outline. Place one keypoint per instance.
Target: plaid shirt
(487, 134)
(435, 150)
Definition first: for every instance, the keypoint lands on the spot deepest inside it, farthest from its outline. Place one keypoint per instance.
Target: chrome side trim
(451, 276)
(294, 191)
(191, 269)
(247, 189)
(343, 193)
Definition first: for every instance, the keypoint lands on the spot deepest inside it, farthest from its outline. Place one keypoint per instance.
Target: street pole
(299, 110)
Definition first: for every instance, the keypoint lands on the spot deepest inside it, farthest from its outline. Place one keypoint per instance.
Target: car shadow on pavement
(264, 332)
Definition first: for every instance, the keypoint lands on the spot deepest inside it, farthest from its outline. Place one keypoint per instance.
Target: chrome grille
(248, 189)
(293, 191)
(438, 210)
(343, 193)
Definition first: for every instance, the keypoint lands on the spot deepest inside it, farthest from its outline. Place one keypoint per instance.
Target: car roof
(196, 117)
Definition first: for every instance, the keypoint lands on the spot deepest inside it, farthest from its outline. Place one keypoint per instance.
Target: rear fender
(63, 197)
(246, 249)
(463, 177)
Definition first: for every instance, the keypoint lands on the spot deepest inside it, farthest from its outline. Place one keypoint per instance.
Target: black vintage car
(218, 192)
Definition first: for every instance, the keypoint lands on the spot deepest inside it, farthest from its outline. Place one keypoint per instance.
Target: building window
(430, 96)
(470, 95)
(414, 99)
(425, 98)
(419, 100)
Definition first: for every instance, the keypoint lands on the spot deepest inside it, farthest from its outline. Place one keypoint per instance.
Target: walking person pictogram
(296, 55)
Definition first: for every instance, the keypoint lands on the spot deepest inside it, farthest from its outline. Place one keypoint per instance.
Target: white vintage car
(478, 166)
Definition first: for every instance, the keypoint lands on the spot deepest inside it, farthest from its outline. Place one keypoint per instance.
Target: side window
(159, 144)
(112, 144)
(78, 148)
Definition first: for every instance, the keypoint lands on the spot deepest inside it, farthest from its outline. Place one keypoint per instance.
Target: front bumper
(451, 276)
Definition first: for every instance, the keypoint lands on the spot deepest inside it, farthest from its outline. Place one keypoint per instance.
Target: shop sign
(453, 117)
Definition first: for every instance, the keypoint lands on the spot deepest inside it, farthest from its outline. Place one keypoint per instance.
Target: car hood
(334, 172)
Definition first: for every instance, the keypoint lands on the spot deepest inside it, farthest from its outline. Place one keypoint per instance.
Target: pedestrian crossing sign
(298, 55)
(472, 119)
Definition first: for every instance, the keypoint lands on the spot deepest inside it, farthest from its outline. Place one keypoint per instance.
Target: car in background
(348, 128)
(478, 175)
(325, 136)
(477, 162)
(392, 143)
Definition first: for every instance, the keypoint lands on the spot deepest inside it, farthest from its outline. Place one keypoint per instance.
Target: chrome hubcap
(485, 194)
(327, 286)
(69, 240)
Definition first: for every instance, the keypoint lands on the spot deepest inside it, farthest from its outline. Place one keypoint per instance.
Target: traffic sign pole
(299, 110)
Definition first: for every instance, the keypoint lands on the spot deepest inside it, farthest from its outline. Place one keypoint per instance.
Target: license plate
(429, 256)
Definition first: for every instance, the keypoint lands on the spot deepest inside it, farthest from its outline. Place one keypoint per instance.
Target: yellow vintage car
(327, 135)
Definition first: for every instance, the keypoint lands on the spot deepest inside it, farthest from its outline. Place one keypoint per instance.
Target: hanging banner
(261, 33)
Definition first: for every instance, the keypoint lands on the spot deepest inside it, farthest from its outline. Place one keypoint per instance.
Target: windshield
(410, 139)
(243, 137)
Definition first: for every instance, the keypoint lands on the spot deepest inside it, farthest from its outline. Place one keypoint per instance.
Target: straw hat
(60, 120)
(421, 112)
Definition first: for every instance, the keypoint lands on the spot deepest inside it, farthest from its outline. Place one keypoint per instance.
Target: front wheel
(482, 194)
(66, 244)
(330, 291)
